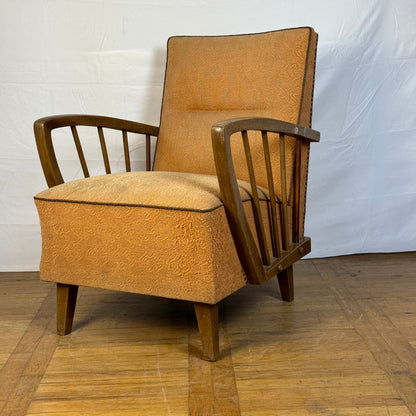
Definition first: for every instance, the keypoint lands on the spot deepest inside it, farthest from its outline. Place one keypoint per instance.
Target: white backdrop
(107, 57)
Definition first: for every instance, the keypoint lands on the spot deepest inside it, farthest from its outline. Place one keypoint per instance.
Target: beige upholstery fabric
(155, 233)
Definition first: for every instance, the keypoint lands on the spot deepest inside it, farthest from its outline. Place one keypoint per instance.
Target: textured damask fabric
(164, 190)
(116, 232)
(210, 79)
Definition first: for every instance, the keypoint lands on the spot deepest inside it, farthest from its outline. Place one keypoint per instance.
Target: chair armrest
(256, 260)
(57, 121)
(44, 126)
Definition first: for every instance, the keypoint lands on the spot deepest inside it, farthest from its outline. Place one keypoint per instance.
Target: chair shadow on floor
(148, 319)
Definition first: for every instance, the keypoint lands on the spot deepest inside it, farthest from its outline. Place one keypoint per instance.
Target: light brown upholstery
(209, 79)
(165, 232)
(124, 236)
(119, 228)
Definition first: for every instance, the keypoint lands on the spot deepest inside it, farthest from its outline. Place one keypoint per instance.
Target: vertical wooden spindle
(148, 153)
(80, 152)
(285, 228)
(296, 196)
(274, 228)
(256, 203)
(104, 150)
(126, 151)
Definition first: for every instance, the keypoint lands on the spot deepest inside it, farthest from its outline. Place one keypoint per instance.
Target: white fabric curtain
(108, 57)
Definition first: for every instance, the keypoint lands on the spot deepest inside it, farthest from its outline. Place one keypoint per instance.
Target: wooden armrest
(63, 120)
(44, 126)
(257, 262)
(228, 127)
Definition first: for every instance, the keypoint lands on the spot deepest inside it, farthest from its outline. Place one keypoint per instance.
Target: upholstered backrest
(209, 79)
(214, 78)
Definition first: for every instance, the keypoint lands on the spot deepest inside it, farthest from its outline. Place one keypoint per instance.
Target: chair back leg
(207, 317)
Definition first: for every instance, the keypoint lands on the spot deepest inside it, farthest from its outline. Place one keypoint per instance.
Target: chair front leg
(66, 300)
(285, 279)
(207, 317)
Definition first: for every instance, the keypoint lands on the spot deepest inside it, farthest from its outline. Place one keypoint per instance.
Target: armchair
(223, 204)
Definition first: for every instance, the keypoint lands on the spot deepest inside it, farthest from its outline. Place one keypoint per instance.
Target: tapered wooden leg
(207, 317)
(285, 279)
(66, 300)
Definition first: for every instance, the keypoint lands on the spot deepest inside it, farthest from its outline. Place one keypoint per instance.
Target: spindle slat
(126, 151)
(148, 153)
(283, 206)
(80, 152)
(274, 228)
(261, 235)
(297, 189)
(104, 150)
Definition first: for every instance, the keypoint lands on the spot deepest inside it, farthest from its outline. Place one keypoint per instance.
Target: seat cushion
(156, 233)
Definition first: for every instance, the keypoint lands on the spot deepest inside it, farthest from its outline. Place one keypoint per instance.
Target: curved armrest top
(63, 120)
(231, 126)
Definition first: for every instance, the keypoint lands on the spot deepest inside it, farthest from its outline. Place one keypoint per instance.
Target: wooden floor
(346, 346)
